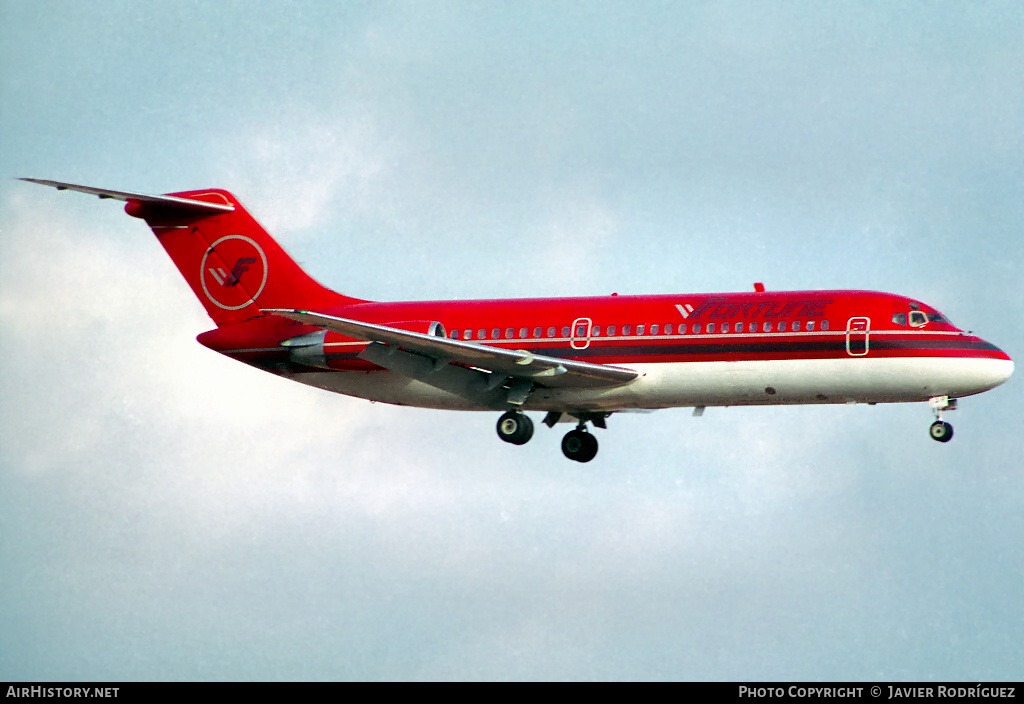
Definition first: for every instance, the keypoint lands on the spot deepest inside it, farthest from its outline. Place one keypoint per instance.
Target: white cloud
(300, 168)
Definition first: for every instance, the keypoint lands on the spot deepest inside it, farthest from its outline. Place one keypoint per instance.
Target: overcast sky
(166, 513)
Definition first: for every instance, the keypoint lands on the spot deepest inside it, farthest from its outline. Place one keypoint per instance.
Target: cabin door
(580, 333)
(857, 331)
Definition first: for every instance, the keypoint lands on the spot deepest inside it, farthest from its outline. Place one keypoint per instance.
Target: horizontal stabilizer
(165, 201)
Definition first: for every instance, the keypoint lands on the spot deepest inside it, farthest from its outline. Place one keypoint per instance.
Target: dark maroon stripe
(727, 349)
(788, 347)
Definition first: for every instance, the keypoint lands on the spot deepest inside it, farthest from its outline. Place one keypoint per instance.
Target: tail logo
(233, 272)
(241, 266)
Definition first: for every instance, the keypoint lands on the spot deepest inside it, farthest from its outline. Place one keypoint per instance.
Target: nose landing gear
(941, 430)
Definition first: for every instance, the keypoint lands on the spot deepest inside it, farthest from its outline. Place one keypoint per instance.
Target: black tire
(579, 446)
(526, 432)
(941, 431)
(515, 428)
(589, 448)
(572, 444)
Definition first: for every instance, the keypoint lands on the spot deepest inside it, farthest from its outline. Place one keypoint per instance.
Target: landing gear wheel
(941, 431)
(516, 428)
(579, 445)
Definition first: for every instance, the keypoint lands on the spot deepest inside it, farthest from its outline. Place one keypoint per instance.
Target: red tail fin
(233, 266)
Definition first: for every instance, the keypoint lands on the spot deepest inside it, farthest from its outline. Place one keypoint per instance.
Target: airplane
(576, 359)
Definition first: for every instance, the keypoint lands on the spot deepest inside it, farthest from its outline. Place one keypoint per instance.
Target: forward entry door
(858, 330)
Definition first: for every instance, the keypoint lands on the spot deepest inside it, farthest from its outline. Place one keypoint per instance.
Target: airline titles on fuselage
(722, 308)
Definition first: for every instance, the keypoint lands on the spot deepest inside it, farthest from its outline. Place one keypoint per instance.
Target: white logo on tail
(248, 276)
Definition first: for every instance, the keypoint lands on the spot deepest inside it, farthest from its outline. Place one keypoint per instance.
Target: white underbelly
(851, 380)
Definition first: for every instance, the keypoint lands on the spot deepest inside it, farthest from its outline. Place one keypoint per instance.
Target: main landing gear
(579, 445)
(941, 430)
(516, 428)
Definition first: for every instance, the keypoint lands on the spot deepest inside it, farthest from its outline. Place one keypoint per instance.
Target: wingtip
(44, 182)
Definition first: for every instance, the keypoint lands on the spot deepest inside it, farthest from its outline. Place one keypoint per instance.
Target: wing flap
(549, 371)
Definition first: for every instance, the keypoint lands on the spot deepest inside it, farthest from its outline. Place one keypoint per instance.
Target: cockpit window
(937, 318)
(899, 318)
(917, 318)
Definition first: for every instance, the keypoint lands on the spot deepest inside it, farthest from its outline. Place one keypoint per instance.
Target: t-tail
(233, 266)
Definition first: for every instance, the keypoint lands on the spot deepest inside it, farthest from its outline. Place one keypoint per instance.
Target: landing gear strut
(516, 428)
(941, 430)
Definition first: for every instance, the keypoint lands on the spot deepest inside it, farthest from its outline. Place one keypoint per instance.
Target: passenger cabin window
(481, 334)
(782, 326)
(711, 327)
(767, 327)
(454, 334)
(668, 328)
(682, 328)
(468, 335)
(537, 332)
(796, 326)
(640, 329)
(627, 329)
(696, 328)
(581, 331)
(595, 331)
(725, 327)
(495, 333)
(752, 327)
(611, 331)
(523, 332)
(565, 331)
(551, 332)
(509, 333)
(810, 326)
(824, 325)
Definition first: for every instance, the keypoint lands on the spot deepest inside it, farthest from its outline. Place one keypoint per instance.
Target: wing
(518, 364)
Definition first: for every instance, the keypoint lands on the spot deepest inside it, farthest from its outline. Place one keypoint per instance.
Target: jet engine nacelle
(330, 350)
(427, 327)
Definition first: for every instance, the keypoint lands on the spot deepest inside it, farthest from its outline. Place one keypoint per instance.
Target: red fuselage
(856, 346)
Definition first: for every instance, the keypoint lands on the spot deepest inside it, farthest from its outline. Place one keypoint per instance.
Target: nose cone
(1002, 370)
(975, 367)
(993, 368)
